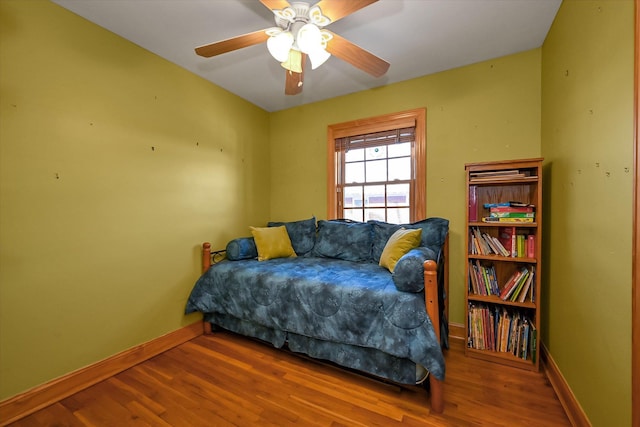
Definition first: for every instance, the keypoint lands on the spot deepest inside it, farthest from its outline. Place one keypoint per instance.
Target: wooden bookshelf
(502, 327)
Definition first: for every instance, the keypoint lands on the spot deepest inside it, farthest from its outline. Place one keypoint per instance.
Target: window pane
(353, 214)
(398, 195)
(353, 197)
(376, 214)
(374, 153)
(354, 172)
(376, 171)
(374, 195)
(398, 150)
(398, 215)
(354, 155)
(399, 169)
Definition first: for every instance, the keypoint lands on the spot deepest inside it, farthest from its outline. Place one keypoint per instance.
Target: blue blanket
(323, 307)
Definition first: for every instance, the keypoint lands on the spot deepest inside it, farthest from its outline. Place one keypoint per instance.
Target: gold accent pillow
(400, 242)
(272, 242)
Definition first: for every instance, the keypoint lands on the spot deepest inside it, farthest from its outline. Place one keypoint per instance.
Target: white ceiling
(418, 37)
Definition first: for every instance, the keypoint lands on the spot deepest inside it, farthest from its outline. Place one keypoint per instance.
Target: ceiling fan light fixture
(279, 45)
(293, 62)
(288, 14)
(318, 57)
(309, 38)
(317, 18)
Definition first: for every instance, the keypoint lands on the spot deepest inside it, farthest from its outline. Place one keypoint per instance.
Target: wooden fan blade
(357, 56)
(336, 9)
(293, 81)
(275, 4)
(232, 44)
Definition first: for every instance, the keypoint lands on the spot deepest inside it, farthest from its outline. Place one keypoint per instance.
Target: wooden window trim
(408, 118)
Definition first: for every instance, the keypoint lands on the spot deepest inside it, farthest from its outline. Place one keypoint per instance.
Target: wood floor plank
(228, 380)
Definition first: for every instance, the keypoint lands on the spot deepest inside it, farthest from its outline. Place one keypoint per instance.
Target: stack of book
(484, 244)
(520, 284)
(482, 279)
(498, 329)
(510, 212)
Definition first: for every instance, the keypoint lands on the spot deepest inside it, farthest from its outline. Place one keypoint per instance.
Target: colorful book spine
(510, 209)
(473, 204)
(531, 246)
(512, 215)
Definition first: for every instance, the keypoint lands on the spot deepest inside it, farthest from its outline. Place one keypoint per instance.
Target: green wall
(485, 111)
(587, 142)
(114, 165)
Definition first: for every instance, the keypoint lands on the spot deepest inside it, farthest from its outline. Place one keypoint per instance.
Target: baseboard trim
(568, 400)
(456, 331)
(23, 404)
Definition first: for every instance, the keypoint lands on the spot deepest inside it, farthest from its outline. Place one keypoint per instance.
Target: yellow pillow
(272, 242)
(400, 242)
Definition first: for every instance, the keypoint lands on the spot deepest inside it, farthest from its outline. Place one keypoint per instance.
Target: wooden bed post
(432, 303)
(206, 256)
(431, 294)
(206, 263)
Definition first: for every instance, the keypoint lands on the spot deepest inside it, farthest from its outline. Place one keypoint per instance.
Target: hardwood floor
(227, 380)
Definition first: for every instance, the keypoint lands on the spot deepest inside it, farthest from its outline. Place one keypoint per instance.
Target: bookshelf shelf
(503, 266)
(492, 299)
(500, 258)
(500, 357)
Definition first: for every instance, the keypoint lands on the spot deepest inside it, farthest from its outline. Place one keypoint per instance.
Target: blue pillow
(345, 240)
(302, 234)
(434, 232)
(408, 276)
(382, 231)
(241, 248)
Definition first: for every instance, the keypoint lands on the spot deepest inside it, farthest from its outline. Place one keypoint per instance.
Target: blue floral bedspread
(299, 298)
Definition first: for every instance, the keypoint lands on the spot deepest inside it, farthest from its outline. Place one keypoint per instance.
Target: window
(376, 168)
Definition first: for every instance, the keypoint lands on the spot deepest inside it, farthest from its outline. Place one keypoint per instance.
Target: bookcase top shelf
(493, 181)
(502, 164)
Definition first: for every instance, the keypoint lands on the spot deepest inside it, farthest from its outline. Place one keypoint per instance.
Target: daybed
(365, 295)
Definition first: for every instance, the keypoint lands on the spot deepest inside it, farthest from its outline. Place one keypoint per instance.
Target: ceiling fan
(299, 34)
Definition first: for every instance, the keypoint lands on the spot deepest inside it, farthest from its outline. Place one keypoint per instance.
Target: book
(531, 246)
(511, 209)
(521, 205)
(520, 293)
(507, 220)
(495, 173)
(505, 238)
(512, 214)
(508, 204)
(503, 251)
(510, 283)
(473, 204)
(496, 205)
(520, 245)
(525, 289)
(524, 273)
(534, 344)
